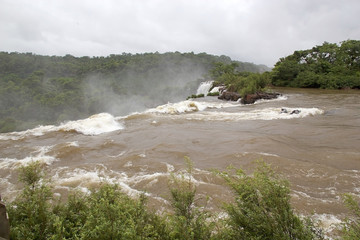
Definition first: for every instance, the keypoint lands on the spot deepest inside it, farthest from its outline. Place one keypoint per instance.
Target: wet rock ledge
(249, 98)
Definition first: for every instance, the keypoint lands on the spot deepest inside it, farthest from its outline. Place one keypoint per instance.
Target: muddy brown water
(319, 153)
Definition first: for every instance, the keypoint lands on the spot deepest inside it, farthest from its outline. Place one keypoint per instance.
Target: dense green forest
(261, 209)
(331, 66)
(38, 89)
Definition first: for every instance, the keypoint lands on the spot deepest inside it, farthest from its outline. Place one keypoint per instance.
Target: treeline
(38, 89)
(330, 66)
(261, 209)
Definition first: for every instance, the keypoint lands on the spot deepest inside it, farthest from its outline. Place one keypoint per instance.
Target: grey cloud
(258, 31)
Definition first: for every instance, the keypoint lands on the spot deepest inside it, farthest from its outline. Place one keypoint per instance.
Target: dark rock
(252, 98)
(284, 110)
(4, 222)
(296, 111)
(229, 96)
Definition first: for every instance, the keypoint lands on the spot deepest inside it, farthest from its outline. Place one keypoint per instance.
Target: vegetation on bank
(238, 81)
(261, 210)
(329, 66)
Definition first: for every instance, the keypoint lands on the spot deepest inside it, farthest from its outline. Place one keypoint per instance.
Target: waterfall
(204, 87)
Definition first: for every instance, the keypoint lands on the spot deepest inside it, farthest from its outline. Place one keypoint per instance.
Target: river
(317, 149)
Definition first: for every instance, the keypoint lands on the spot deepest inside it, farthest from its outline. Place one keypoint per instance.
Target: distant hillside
(38, 89)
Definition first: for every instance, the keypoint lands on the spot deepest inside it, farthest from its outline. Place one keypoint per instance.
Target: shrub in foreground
(30, 214)
(351, 226)
(262, 208)
(189, 222)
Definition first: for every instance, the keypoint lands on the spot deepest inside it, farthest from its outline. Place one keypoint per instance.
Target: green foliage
(236, 81)
(212, 94)
(7, 125)
(30, 214)
(71, 217)
(107, 213)
(262, 208)
(329, 66)
(113, 215)
(196, 96)
(351, 226)
(189, 220)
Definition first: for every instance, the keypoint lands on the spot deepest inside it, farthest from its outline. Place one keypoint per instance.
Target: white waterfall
(204, 87)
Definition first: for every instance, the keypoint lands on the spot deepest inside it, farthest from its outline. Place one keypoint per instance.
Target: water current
(317, 150)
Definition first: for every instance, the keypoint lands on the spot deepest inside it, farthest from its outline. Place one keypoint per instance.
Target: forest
(38, 90)
(329, 66)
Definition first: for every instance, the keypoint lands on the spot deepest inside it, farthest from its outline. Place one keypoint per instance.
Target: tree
(326, 66)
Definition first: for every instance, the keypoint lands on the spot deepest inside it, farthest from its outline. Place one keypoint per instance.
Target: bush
(212, 94)
(113, 215)
(188, 222)
(30, 214)
(196, 96)
(262, 208)
(106, 213)
(351, 226)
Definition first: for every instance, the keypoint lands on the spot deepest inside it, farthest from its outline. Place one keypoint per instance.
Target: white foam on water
(72, 144)
(94, 125)
(39, 155)
(128, 164)
(279, 98)
(185, 176)
(189, 106)
(169, 167)
(84, 179)
(260, 153)
(259, 114)
(178, 108)
(140, 177)
(116, 156)
(38, 131)
(328, 222)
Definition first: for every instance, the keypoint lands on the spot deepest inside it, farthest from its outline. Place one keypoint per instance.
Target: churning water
(317, 148)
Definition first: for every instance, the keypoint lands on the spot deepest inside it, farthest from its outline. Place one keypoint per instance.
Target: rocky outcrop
(229, 96)
(252, 98)
(4, 222)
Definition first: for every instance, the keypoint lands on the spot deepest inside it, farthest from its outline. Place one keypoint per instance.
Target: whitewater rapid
(201, 110)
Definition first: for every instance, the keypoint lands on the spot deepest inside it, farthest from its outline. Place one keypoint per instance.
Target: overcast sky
(258, 31)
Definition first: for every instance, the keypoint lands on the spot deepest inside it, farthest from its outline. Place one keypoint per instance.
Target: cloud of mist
(131, 90)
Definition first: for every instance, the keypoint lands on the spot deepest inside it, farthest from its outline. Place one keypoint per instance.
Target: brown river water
(317, 150)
